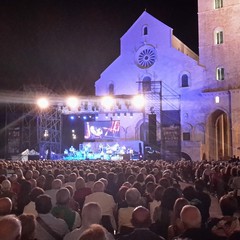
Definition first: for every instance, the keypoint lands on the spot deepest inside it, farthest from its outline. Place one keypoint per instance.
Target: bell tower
(219, 43)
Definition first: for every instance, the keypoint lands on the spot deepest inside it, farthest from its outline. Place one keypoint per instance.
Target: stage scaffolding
(49, 132)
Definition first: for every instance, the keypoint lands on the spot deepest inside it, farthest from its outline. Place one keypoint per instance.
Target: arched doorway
(219, 136)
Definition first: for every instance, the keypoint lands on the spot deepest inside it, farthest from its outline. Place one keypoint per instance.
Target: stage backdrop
(171, 135)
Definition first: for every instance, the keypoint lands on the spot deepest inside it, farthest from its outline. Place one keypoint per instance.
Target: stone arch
(219, 135)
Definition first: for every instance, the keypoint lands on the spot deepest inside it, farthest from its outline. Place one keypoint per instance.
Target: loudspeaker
(152, 129)
(140, 148)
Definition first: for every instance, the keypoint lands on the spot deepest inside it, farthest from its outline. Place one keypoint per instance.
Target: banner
(171, 135)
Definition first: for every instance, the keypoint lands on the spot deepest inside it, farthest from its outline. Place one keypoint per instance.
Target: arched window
(185, 80)
(146, 84)
(218, 36)
(111, 89)
(220, 73)
(145, 30)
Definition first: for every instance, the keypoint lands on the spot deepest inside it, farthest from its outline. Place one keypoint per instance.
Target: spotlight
(72, 102)
(43, 103)
(217, 99)
(107, 102)
(84, 117)
(138, 101)
(72, 117)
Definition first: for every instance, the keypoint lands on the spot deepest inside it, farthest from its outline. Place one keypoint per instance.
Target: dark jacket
(141, 234)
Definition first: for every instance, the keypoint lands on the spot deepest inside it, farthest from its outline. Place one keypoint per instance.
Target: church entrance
(219, 136)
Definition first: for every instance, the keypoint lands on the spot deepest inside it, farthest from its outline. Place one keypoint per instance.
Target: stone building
(204, 90)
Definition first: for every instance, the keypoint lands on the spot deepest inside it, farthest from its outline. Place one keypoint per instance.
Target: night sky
(64, 45)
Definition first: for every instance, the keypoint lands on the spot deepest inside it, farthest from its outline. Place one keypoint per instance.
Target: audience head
(70, 189)
(189, 193)
(28, 226)
(91, 177)
(72, 177)
(98, 186)
(228, 205)
(62, 196)
(56, 184)
(158, 193)
(132, 197)
(199, 185)
(91, 214)
(94, 232)
(10, 228)
(179, 204)
(80, 183)
(43, 204)
(35, 192)
(190, 217)
(6, 185)
(169, 197)
(141, 217)
(5, 206)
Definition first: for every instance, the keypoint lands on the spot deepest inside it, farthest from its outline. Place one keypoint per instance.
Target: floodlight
(138, 101)
(43, 103)
(72, 102)
(107, 102)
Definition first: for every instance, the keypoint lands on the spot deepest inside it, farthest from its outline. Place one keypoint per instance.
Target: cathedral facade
(204, 90)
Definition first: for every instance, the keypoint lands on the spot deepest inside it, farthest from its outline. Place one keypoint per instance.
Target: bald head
(91, 214)
(5, 206)
(141, 217)
(190, 217)
(10, 228)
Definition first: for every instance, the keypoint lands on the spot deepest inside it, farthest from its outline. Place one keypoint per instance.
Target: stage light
(217, 99)
(107, 102)
(72, 117)
(72, 102)
(84, 117)
(138, 101)
(96, 116)
(43, 103)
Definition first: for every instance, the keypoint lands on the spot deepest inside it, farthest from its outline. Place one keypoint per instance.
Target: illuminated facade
(204, 89)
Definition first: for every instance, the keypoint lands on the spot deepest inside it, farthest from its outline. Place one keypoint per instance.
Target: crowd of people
(106, 200)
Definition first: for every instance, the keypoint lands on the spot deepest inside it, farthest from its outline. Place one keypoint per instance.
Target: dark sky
(66, 44)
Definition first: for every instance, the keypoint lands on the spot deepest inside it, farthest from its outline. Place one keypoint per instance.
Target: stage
(121, 150)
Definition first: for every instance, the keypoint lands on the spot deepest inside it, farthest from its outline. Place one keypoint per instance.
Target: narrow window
(111, 89)
(218, 4)
(185, 80)
(220, 73)
(219, 37)
(145, 31)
